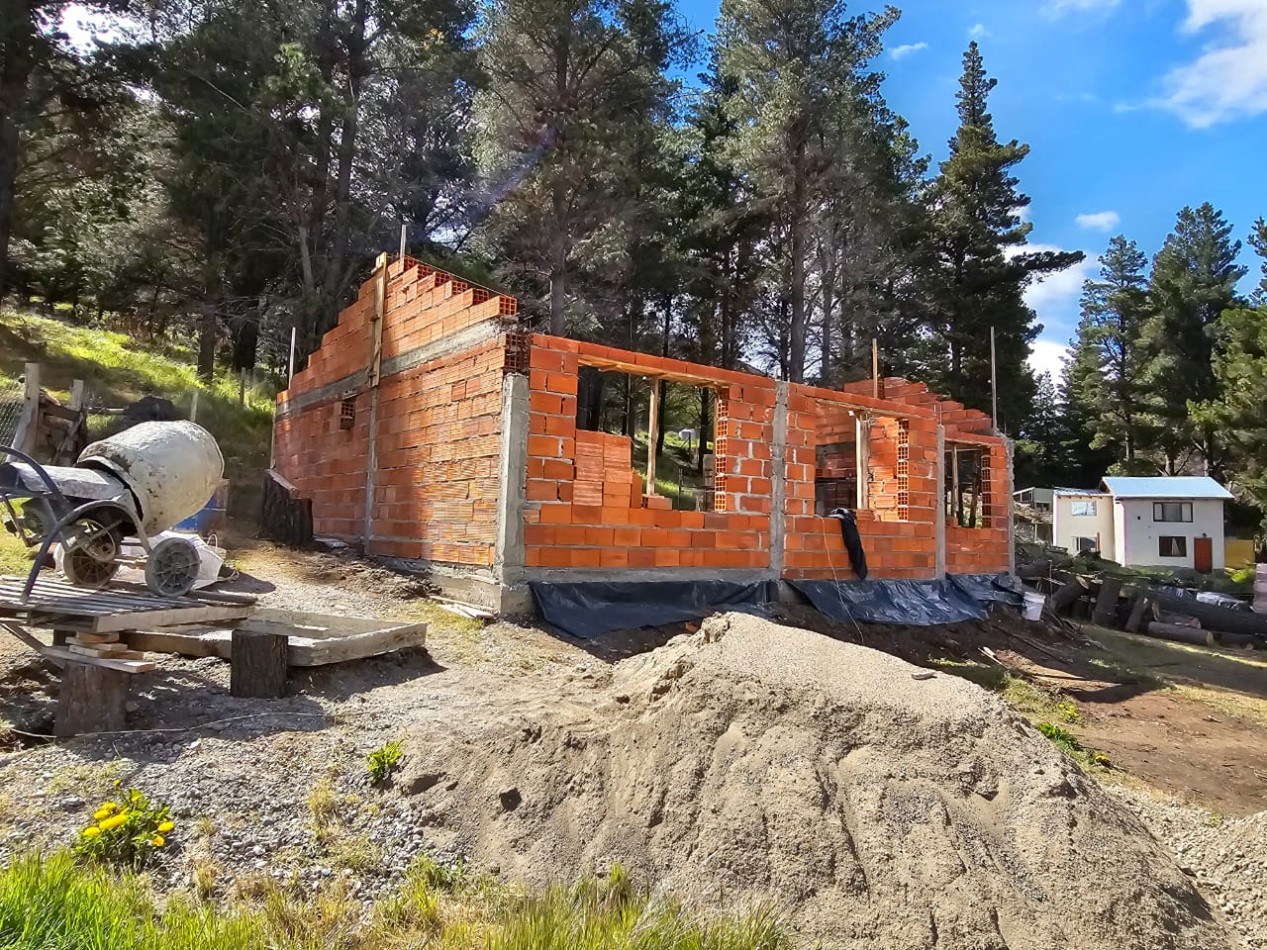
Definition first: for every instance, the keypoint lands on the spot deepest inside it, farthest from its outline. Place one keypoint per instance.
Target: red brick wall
(438, 437)
(579, 514)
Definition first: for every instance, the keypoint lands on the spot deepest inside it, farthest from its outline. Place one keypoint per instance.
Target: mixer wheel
(91, 555)
(172, 567)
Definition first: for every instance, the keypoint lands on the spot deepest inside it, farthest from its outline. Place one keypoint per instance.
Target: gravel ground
(1226, 856)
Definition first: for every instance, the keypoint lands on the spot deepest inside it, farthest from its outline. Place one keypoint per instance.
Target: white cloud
(1229, 80)
(1025, 213)
(1048, 356)
(978, 30)
(906, 49)
(1099, 220)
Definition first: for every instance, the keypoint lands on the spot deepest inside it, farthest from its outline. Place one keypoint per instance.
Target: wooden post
(404, 229)
(653, 435)
(994, 385)
(1179, 634)
(956, 509)
(193, 407)
(258, 664)
(372, 373)
(91, 699)
(290, 370)
(875, 368)
(1105, 613)
(76, 395)
(29, 423)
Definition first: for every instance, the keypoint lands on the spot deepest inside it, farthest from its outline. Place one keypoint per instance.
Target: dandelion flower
(105, 811)
(91, 833)
(167, 826)
(113, 822)
(158, 841)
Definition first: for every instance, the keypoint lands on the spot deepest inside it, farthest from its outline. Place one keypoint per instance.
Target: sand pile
(752, 761)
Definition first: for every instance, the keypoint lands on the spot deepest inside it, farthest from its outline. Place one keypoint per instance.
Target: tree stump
(1142, 603)
(1064, 598)
(91, 699)
(258, 664)
(1105, 612)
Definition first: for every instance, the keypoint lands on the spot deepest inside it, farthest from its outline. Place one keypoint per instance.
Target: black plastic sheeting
(590, 609)
(909, 603)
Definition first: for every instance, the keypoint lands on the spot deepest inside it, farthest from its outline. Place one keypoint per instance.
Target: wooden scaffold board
(58, 604)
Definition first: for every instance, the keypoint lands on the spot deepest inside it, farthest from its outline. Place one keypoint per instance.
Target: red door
(1203, 555)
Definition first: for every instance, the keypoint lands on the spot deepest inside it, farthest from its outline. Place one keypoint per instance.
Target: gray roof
(1076, 492)
(1178, 486)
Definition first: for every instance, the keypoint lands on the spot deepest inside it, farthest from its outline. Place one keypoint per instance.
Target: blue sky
(1132, 109)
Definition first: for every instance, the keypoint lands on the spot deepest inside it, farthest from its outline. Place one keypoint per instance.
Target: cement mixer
(136, 484)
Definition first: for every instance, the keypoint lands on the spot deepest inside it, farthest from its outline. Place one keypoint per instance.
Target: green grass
(118, 370)
(1068, 743)
(1019, 693)
(54, 904)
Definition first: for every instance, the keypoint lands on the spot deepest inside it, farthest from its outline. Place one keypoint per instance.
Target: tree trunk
(208, 325)
(246, 335)
(558, 262)
(8, 174)
(258, 664)
(796, 353)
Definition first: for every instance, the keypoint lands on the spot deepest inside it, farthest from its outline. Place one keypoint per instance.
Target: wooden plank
(199, 644)
(124, 666)
(92, 639)
(103, 649)
(305, 651)
(161, 618)
(653, 435)
(30, 640)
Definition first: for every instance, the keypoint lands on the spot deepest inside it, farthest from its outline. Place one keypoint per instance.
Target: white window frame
(1088, 505)
(1185, 508)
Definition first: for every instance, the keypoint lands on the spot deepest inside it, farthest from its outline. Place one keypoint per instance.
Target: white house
(1145, 522)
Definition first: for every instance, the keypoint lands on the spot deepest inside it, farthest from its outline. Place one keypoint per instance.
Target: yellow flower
(104, 812)
(158, 841)
(91, 832)
(114, 821)
(167, 826)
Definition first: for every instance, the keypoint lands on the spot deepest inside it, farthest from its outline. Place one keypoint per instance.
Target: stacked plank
(102, 646)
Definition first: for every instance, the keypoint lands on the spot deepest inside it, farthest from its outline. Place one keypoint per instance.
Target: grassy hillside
(117, 371)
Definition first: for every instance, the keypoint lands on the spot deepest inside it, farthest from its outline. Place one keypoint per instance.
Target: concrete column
(508, 558)
(1009, 451)
(939, 518)
(778, 481)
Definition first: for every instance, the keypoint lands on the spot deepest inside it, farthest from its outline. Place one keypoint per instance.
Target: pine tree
(980, 268)
(1239, 411)
(1042, 447)
(1194, 280)
(564, 80)
(1114, 308)
(795, 67)
(1086, 462)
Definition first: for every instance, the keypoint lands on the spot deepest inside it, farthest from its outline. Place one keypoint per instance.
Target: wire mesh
(12, 393)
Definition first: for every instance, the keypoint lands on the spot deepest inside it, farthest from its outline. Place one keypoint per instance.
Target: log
(1136, 619)
(91, 699)
(284, 516)
(1105, 612)
(1212, 616)
(258, 664)
(1066, 596)
(1170, 631)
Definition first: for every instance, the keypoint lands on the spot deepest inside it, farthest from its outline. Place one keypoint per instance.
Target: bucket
(1034, 606)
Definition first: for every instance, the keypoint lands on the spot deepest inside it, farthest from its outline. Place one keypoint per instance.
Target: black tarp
(997, 588)
(590, 609)
(909, 603)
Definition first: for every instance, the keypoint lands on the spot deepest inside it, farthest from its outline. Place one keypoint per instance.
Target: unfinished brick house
(430, 429)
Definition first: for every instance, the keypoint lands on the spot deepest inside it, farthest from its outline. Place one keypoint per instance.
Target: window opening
(619, 405)
(968, 500)
(1168, 546)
